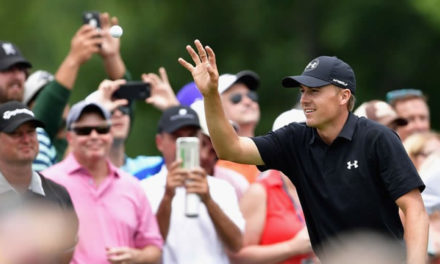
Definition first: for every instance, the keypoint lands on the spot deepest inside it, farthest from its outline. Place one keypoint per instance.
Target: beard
(10, 94)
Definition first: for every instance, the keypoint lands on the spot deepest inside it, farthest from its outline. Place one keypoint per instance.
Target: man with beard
(13, 72)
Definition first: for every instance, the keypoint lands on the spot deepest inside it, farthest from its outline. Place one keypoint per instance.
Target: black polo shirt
(350, 185)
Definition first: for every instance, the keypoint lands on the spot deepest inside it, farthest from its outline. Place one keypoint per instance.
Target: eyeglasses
(86, 130)
(237, 97)
(402, 93)
(125, 110)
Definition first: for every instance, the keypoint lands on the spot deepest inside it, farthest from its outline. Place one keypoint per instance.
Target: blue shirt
(143, 166)
(47, 154)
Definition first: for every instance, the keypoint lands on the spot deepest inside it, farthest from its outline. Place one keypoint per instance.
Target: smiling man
(13, 72)
(42, 203)
(116, 222)
(351, 173)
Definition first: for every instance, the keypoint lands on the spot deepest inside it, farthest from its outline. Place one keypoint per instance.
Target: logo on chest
(352, 164)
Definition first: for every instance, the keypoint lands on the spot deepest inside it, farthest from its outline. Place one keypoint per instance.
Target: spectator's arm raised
(227, 144)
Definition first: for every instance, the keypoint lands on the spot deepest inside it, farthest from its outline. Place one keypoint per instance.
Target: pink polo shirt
(116, 213)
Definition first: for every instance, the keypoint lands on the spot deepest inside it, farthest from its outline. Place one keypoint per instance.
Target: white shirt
(193, 240)
(36, 185)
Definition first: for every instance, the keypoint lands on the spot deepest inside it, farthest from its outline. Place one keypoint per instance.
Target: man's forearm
(147, 255)
(226, 229)
(114, 66)
(416, 236)
(163, 216)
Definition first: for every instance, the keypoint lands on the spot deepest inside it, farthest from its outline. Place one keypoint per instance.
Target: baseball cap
(188, 94)
(177, 117)
(34, 83)
(79, 108)
(10, 55)
(400, 94)
(324, 70)
(13, 114)
(249, 78)
(380, 112)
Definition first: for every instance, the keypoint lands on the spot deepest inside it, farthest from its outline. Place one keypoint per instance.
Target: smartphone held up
(134, 90)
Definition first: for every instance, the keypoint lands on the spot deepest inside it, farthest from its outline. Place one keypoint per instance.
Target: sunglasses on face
(125, 110)
(237, 97)
(86, 130)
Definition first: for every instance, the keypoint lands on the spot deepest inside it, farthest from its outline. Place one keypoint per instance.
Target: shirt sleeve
(147, 232)
(396, 169)
(276, 148)
(49, 106)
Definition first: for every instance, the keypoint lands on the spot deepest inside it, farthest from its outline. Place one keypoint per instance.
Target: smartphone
(134, 90)
(187, 149)
(92, 18)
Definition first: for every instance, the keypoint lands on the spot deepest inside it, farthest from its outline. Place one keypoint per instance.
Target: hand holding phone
(92, 18)
(134, 90)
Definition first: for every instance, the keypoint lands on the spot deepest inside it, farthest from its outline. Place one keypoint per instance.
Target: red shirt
(283, 219)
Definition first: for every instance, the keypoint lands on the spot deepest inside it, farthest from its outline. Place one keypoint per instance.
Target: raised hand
(205, 71)
(198, 183)
(84, 44)
(162, 95)
(104, 94)
(176, 177)
(110, 45)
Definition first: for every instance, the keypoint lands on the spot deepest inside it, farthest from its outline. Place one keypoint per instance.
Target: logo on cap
(312, 65)
(183, 112)
(340, 82)
(9, 114)
(8, 48)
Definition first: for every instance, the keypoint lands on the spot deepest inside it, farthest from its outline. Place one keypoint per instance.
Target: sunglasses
(125, 110)
(237, 97)
(402, 93)
(86, 130)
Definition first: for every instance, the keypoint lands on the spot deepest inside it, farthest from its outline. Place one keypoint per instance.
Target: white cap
(34, 83)
(249, 78)
(285, 118)
(199, 108)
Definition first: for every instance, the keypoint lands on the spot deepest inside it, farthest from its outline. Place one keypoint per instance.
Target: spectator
(411, 105)
(217, 229)
(14, 69)
(382, 113)
(46, 203)
(240, 103)
(162, 97)
(116, 222)
(350, 172)
(420, 145)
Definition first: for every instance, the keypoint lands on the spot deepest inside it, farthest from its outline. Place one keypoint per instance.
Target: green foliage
(390, 44)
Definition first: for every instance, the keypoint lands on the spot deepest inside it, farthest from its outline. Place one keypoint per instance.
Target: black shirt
(349, 185)
(56, 200)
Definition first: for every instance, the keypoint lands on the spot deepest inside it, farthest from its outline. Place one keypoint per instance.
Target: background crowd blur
(390, 45)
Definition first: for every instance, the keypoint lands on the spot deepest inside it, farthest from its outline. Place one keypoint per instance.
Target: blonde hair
(415, 143)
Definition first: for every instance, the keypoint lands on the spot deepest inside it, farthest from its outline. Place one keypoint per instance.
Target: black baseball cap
(13, 114)
(10, 55)
(176, 117)
(324, 70)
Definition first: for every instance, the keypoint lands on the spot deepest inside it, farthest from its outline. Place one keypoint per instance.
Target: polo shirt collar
(346, 132)
(35, 186)
(72, 166)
